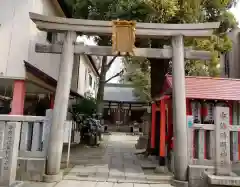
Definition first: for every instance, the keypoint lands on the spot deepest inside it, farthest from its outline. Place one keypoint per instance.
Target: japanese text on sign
(222, 141)
(8, 147)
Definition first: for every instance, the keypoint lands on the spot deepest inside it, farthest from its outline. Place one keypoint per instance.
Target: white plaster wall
(48, 63)
(82, 80)
(6, 22)
(75, 74)
(85, 69)
(14, 34)
(89, 88)
(18, 35)
(234, 56)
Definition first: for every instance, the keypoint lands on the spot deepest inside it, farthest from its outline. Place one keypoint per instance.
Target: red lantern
(208, 111)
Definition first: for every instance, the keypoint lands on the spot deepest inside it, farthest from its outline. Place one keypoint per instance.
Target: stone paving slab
(123, 185)
(105, 184)
(74, 183)
(38, 184)
(161, 185)
(113, 162)
(141, 185)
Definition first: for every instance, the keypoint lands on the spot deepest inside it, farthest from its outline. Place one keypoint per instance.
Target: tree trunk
(101, 85)
(159, 68)
(148, 148)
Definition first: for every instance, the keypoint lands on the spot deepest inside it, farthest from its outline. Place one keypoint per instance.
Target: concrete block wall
(203, 176)
(31, 169)
(197, 177)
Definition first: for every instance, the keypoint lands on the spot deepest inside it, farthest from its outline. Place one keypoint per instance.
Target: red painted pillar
(170, 116)
(170, 125)
(189, 107)
(230, 104)
(19, 92)
(162, 128)
(52, 97)
(153, 125)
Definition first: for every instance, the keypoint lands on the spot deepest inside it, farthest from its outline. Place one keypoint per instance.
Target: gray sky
(236, 11)
(117, 66)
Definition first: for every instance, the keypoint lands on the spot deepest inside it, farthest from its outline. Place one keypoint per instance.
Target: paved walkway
(113, 164)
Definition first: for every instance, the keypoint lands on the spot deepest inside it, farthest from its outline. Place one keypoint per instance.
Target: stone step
(159, 178)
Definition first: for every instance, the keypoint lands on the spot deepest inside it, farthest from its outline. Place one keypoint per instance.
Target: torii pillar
(179, 111)
(60, 108)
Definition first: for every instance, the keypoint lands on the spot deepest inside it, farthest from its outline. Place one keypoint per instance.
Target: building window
(85, 75)
(50, 37)
(226, 65)
(94, 85)
(90, 80)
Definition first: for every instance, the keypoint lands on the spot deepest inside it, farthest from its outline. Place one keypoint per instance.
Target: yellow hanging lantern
(123, 37)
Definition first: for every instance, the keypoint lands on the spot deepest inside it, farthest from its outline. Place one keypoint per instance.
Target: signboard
(67, 131)
(223, 163)
(190, 121)
(123, 29)
(135, 130)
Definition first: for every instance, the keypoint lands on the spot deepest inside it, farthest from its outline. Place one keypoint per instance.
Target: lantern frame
(123, 29)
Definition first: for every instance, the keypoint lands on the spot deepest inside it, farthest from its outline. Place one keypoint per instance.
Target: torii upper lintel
(150, 30)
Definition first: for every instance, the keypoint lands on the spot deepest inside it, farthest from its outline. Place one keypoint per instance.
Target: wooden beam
(54, 48)
(211, 127)
(234, 128)
(152, 30)
(140, 52)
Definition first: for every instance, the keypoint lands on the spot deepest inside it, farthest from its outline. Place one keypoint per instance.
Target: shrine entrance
(128, 31)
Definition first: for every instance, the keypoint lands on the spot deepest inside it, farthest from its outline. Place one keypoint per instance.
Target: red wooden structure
(205, 90)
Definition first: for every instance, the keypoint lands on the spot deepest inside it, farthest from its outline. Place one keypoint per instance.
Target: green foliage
(85, 106)
(187, 11)
(165, 11)
(139, 76)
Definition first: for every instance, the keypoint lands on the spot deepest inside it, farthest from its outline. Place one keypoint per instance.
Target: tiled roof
(45, 78)
(211, 88)
(119, 93)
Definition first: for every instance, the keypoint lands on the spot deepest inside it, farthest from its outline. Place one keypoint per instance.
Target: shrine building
(121, 106)
(202, 95)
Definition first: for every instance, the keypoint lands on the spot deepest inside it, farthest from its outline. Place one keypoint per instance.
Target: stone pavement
(113, 164)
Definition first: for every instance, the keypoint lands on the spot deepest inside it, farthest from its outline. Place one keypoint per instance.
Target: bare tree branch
(116, 75)
(146, 93)
(111, 61)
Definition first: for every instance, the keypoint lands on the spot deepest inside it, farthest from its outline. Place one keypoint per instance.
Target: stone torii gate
(177, 32)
